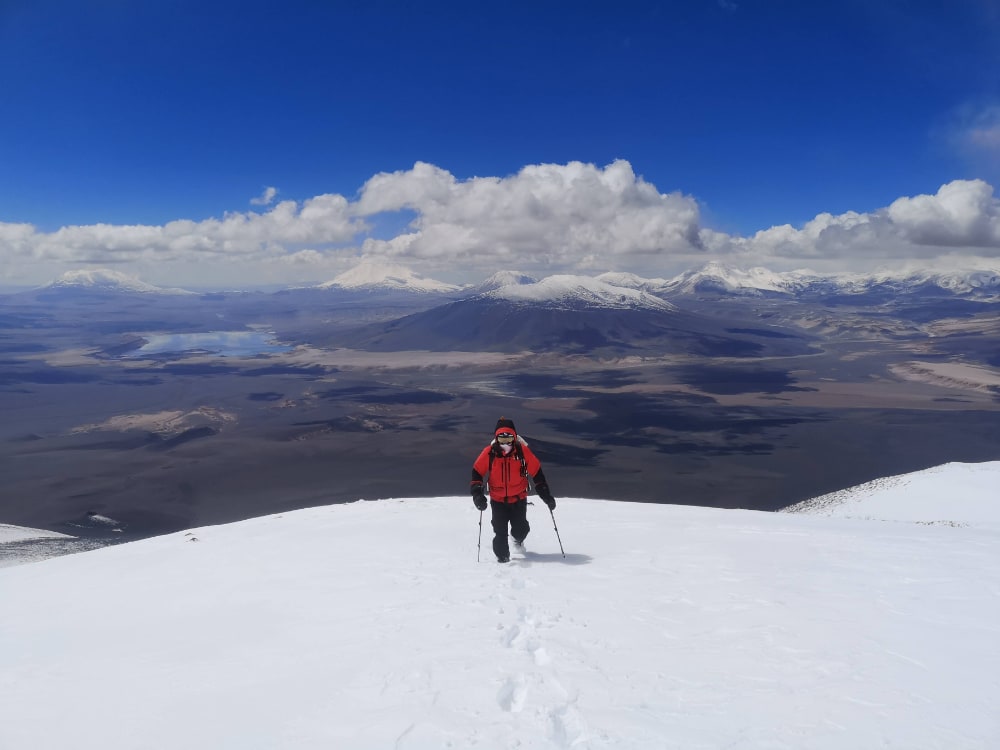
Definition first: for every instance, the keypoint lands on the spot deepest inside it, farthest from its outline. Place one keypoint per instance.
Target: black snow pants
(515, 514)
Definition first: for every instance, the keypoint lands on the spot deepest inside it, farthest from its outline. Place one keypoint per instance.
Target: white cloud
(245, 237)
(266, 198)
(961, 219)
(547, 218)
(547, 214)
(964, 213)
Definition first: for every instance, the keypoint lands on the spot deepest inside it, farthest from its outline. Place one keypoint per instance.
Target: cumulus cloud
(961, 219)
(546, 218)
(581, 217)
(556, 215)
(963, 213)
(323, 220)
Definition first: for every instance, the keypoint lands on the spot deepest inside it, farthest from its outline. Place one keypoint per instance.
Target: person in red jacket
(504, 466)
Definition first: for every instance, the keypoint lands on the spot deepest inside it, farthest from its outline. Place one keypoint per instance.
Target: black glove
(543, 492)
(478, 498)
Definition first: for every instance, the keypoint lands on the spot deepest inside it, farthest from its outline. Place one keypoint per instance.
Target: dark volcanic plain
(725, 402)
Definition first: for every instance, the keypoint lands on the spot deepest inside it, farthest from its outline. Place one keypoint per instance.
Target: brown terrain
(93, 428)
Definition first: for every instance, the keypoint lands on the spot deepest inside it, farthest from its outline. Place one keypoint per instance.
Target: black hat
(504, 424)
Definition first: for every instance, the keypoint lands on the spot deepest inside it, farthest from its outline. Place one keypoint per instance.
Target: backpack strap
(489, 471)
(520, 457)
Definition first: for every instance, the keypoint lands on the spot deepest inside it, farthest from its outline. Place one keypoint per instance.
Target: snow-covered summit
(504, 278)
(717, 277)
(633, 281)
(106, 280)
(371, 275)
(570, 291)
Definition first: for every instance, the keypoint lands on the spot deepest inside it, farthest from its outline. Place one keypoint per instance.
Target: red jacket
(508, 476)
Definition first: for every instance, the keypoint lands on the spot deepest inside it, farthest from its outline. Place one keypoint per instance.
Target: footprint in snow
(568, 726)
(512, 694)
(512, 636)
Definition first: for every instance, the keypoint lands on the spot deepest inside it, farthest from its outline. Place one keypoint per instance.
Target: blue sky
(753, 113)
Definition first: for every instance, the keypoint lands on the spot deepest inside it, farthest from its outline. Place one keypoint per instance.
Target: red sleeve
(481, 465)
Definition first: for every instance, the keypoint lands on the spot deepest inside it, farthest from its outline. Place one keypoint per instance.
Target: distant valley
(162, 409)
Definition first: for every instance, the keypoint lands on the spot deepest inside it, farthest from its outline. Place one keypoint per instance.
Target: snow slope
(371, 625)
(955, 493)
(10, 533)
(20, 545)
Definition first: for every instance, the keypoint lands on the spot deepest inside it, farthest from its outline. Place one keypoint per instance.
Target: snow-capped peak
(104, 279)
(575, 290)
(719, 277)
(370, 275)
(632, 281)
(505, 278)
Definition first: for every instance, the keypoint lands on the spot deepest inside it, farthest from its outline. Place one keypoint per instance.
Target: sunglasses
(505, 437)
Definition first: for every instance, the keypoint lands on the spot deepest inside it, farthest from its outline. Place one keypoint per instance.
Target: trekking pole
(480, 545)
(553, 514)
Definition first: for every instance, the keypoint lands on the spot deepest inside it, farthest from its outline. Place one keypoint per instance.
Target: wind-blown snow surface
(371, 625)
(955, 493)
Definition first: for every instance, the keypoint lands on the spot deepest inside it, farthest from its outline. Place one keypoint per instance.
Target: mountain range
(712, 280)
(716, 279)
(387, 307)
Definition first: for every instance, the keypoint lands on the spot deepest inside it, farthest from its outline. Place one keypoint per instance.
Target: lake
(223, 343)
